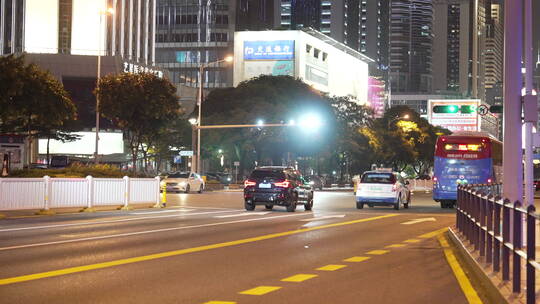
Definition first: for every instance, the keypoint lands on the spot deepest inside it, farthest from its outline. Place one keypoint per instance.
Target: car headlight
(182, 184)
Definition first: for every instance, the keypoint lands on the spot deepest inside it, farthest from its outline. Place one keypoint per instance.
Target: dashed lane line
(259, 291)
(357, 259)
(78, 269)
(396, 246)
(331, 267)
(299, 278)
(411, 241)
(463, 280)
(219, 302)
(378, 252)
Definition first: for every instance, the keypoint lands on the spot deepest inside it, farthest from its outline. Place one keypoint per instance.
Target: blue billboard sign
(269, 50)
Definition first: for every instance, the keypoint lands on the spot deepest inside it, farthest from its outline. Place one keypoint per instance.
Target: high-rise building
(190, 33)
(373, 39)
(468, 46)
(77, 27)
(255, 15)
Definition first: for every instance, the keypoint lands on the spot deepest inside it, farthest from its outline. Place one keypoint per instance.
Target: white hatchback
(183, 182)
(382, 189)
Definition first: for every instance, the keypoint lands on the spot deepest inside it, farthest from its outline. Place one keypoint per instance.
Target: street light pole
(101, 14)
(202, 66)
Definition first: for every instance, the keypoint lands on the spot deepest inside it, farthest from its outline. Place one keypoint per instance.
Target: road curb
(492, 292)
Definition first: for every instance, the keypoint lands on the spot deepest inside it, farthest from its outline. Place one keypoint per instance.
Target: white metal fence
(46, 192)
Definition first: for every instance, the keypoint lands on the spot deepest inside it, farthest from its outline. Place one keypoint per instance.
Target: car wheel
(201, 188)
(249, 205)
(292, 203)
(359, 205)
(406, 205)
(444, 204)
(269, 207)
(309, 204)
(187, 189)
(396, 205)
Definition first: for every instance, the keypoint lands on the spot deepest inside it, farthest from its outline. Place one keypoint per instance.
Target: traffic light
(446, 109)
(496, 109)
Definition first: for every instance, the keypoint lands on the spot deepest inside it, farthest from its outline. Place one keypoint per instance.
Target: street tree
(33, 102)
(272, 99)
(142, 105)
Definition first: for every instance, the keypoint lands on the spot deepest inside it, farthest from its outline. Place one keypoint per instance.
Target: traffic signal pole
(512, 153)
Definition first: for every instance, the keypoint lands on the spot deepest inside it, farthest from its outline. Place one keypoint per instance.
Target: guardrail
(494, 226)
(45, 193)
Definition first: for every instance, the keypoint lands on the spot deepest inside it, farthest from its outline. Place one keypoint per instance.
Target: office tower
(373, 39)
(410, 46)
(190, 33)
(254, 15)
(494, 48)
(79, 27)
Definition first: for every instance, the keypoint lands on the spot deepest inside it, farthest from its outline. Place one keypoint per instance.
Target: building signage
(269, 50)
(137, 69)
(186, 153)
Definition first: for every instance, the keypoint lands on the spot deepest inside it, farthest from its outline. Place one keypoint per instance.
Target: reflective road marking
(331, 267)
(411, 241)
(259, 291)
(219, 302)
(299, 278)
(395, 246)
(378, 252)
(155, 256)
(356, 259)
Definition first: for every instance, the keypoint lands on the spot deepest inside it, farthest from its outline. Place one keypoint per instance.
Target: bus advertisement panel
(464, 159)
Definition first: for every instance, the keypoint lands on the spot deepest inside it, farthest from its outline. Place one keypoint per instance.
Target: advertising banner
(269, 50)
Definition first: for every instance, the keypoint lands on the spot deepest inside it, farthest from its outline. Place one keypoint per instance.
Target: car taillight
(489, 180)
(434, 178)
(249, 183)
(283, 184)
(394, 187)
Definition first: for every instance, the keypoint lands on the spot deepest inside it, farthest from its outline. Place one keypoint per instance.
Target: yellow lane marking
(259, 291)
(219, 302)
(433, 233)
(299, 278)
(411, 241)
(331, 267)
(462, 279)
(77, 269)
(395, 246)
(378, 252)
(356, 259)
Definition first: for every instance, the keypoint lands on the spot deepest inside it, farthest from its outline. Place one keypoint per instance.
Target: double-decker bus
(464, 158)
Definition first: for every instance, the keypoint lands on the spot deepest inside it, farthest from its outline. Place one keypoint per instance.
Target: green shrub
(78, 170)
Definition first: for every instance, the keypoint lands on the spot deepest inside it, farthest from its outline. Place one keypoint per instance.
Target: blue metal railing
(479, 209)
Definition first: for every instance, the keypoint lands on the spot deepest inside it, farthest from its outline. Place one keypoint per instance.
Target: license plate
(266, 186)
(375, 188)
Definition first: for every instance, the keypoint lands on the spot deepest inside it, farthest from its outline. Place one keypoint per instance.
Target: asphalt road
(205, 247)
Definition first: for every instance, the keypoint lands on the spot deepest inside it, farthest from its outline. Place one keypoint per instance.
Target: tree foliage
(33, 102)
(142, 105)
(273, 99)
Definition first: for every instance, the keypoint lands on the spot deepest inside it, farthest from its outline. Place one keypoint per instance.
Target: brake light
(489, 180)
(435, 179)
(249, 183)
(394, 187)
(283, 184)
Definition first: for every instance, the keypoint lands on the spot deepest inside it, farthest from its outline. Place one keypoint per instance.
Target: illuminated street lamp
(108, 11)
(199, 103)
(193, 122)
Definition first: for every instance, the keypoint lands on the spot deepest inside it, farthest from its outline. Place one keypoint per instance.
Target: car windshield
(179, 175)
(378, 178)
(269, 174)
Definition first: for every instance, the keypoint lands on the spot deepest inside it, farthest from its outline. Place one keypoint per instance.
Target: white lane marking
(416, 221)
(163, 211)
(143, 232)
(241, 214)
(320, 218)
(111, 221)
(197, 207)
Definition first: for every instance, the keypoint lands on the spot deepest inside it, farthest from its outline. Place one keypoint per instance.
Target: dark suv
(280, 186)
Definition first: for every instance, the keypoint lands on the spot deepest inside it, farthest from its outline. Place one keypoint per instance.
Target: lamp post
(102, 13)
(193, 122)
(199, 103)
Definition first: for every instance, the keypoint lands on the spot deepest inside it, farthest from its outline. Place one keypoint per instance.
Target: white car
(183, 182)
(382, 189)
